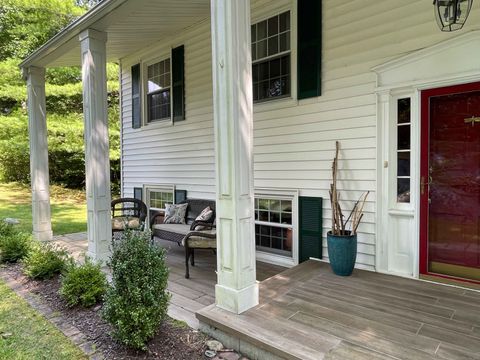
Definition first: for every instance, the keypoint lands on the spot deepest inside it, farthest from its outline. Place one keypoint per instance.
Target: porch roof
(130, 26)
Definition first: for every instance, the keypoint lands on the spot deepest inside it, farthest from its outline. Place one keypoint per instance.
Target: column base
(101, 258)
(236, 301)
(43, 235)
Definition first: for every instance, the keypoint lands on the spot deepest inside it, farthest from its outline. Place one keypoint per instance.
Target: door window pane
(403, 149)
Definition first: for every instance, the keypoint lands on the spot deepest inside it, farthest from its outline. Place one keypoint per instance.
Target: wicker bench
(185, 234)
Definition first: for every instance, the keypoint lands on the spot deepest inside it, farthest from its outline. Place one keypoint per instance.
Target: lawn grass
(69, 209)
(25, 334)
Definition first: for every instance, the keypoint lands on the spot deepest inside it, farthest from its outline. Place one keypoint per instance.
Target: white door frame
(398, 239)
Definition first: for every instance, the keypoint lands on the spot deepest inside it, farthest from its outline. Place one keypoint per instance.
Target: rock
(96, 308)
(11, 221)
(210, 354)
(214, 345)
(6, 335)
(231, 355)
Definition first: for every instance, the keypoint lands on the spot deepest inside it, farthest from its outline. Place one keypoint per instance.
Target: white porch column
(37, 128)
(97, 161)
(237, 288)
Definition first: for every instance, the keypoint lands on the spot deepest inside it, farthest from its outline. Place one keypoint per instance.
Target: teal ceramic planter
(342, 252)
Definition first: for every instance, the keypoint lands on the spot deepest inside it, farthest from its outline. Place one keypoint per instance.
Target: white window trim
(291, 100)
(147, 188)
(282, 194)
(144, 76)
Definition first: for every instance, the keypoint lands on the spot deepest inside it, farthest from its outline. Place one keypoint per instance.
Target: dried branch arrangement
(340, 226)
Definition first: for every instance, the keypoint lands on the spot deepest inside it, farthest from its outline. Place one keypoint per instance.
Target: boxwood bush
(137, 301)
(83, 284)
(45, 260)
(14, 245)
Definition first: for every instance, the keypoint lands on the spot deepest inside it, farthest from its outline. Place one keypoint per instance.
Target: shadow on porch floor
(188, 295)
(307, 312)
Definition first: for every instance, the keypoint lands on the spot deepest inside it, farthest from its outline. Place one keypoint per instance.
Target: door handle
(424, 184)
(472, 120)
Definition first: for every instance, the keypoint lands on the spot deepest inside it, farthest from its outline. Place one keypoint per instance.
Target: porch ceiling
(130, 24)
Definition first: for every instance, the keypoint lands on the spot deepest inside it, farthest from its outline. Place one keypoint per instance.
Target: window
(273, 225)
(271, 58)
(403, 150)
(158, 91)
(157, 199)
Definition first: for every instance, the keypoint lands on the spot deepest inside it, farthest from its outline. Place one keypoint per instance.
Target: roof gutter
(72, 30)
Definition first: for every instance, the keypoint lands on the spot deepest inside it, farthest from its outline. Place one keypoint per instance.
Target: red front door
(450, 182)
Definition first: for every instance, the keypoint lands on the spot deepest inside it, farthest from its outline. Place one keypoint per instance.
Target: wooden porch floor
(309, 313)
(188, 295)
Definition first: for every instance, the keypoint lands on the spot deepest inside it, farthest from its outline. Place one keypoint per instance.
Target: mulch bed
(173, 341)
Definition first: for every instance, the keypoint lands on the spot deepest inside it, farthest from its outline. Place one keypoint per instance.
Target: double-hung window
(271, 58)
(158, 91)
(273, 225)
(156, 196)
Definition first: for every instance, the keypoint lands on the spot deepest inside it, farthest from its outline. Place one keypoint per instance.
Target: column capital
(93, 34)
(34, 73)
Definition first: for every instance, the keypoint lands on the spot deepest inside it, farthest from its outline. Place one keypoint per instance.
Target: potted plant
(342, 239)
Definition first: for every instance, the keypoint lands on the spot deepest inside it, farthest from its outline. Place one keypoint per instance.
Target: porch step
(281, 341)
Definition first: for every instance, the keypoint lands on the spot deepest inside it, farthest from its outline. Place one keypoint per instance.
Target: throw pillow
(205, 215)
(175, 213)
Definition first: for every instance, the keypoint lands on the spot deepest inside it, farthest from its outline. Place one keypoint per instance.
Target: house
(199, 119)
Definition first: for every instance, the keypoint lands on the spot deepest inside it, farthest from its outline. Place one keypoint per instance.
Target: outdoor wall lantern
(451, 15)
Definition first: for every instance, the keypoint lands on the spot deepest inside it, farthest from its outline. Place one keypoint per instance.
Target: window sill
(158, 124)
(275, 259)
(274, 104)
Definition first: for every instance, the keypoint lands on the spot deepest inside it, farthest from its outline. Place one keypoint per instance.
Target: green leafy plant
(7, 229)
(45, 260)
(14, 246)
(83, 284)
(137, 301)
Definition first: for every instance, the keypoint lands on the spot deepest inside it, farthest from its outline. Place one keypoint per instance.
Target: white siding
(294, 141)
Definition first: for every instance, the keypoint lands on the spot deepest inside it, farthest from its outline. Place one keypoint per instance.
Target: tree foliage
(24, 26)
(27, 24)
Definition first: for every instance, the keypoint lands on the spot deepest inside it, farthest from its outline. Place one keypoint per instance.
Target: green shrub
(137, 301)
(45, 260)
(83, 284)
(14, 246)
(7, 229)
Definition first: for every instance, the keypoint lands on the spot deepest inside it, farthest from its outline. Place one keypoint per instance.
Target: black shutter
(309, 52)
(310, 219)
(138, 193)
(136, 97)
(180, 195)
(178, 83)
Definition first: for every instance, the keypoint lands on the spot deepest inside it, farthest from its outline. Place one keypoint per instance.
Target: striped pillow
(205, 215)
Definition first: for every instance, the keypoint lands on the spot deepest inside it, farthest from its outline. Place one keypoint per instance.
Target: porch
(307, 312)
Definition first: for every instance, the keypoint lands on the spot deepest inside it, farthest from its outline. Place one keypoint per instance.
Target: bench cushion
(182, 229)
(119, 222)
(200, 242)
